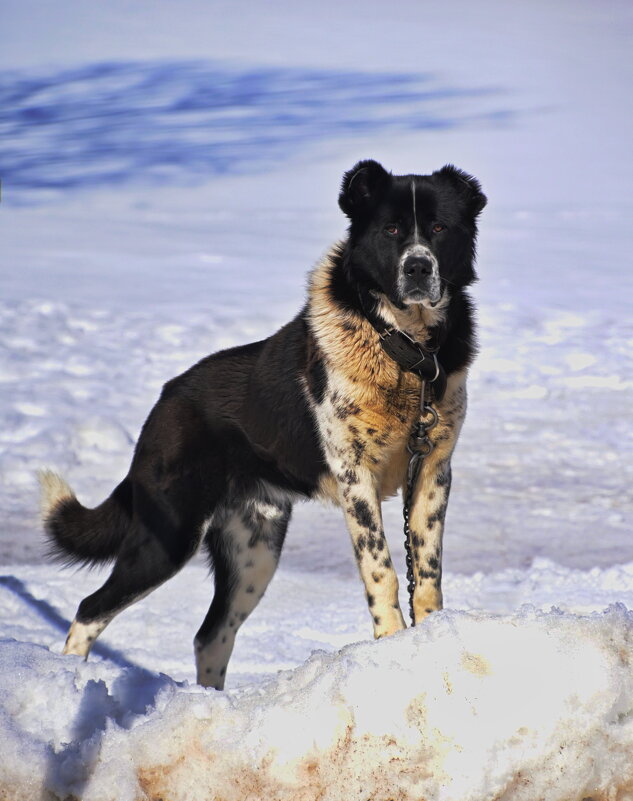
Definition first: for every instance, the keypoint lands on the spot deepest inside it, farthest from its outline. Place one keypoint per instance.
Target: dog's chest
(365, 429)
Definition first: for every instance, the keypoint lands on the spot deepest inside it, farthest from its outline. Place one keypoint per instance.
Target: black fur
(239, 426)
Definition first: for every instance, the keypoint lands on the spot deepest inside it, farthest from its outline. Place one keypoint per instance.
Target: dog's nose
(417, 267)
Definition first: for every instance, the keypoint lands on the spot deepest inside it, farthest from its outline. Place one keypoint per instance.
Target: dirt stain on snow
(475, 663)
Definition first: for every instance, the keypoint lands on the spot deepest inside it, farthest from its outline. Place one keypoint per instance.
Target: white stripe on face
(417, 249)
(416, 236)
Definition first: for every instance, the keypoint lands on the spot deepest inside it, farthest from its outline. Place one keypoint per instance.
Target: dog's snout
(417, 267)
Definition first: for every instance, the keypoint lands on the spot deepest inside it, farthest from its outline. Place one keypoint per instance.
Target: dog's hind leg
(147, 558)
(244, 547)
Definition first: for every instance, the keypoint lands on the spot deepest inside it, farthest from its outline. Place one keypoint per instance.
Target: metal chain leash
(420, 447)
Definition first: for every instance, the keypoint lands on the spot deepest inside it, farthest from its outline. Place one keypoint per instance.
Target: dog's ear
(362, 186)
(468, 188)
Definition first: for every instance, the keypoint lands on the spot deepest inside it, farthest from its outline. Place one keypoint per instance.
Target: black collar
(409, 355)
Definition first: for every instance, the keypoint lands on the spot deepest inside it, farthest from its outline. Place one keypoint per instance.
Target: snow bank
(467, 706)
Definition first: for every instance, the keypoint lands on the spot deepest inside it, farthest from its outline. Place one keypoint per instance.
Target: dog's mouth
(429, 297)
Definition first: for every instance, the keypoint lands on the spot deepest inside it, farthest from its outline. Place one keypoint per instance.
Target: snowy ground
(165, 190)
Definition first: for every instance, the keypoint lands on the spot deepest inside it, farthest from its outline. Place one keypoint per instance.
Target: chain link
(419, 446)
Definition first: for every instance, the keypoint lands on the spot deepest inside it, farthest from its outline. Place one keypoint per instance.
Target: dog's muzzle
(419, 277)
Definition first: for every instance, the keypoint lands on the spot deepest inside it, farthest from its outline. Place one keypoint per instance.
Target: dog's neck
(415, 319)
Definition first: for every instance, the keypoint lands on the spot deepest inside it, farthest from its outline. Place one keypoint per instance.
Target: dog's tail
(77, 535)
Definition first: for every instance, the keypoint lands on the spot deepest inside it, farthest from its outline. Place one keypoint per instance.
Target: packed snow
(169, 177)
(526, 706)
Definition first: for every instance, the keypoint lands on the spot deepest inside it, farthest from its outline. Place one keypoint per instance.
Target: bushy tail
(79, 535)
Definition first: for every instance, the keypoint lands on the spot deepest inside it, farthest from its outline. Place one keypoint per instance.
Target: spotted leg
(364, 521)
(430, 499)
(244, 547)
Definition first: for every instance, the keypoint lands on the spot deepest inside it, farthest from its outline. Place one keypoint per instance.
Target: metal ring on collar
(437, 367)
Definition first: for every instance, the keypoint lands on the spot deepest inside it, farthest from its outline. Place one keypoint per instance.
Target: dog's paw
(388, 623)
(426, 601)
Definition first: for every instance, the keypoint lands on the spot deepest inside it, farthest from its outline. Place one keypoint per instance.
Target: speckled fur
(365, 419)
(316, 410)
(251, 537)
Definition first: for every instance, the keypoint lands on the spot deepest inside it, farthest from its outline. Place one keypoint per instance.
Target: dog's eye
(392, 229)
(438, 228)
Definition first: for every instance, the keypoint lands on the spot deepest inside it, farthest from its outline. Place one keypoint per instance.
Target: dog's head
(411, 237)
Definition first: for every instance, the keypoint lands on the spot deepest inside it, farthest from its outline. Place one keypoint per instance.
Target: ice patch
(331, 638)
(559, 327)
(172, 334)
(499, 365)
(530, 392)
(78, 368)
(578, 360)
(101, 434)
(610, 382)
(209, 258)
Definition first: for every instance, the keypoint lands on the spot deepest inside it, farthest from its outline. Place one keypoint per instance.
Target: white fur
(256, 563)
(81, 637)
(416, 238)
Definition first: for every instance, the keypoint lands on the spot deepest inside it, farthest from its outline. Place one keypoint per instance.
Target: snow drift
(466, 706)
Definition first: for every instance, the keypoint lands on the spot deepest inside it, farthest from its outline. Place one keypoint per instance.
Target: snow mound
(466, 706)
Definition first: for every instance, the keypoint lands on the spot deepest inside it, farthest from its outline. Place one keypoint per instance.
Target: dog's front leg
(430, 499)
(361, 505)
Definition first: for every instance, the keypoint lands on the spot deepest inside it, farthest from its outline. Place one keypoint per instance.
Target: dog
(321, 409)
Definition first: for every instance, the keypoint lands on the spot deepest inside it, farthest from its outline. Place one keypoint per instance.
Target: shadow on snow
(111, 123)
(130, 696)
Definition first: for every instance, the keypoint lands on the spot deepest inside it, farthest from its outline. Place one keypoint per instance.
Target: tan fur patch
(349, 342)
(54, 490)
(369, 399)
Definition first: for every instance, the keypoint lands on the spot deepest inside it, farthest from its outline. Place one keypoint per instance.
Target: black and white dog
(321, 409)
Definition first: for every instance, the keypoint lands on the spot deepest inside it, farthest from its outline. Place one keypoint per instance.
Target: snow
(469, 706)
(143, 227)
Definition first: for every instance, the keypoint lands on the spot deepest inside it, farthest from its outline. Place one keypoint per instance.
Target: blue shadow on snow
(113, 123)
